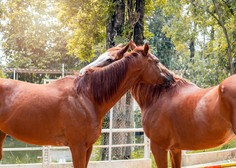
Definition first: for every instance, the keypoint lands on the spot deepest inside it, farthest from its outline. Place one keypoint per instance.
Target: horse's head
(155, 72)
(111, 55)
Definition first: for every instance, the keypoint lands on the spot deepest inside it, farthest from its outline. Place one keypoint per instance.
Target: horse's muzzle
(169, 80)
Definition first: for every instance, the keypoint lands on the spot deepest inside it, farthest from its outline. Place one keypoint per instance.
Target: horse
(184, 116)
(70, 111)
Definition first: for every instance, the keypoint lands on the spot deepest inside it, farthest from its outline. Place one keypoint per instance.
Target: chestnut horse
(186, 117)
(70, 110)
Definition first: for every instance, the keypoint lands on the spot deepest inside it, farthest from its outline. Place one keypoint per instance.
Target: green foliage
(229, 145)
(2, 75)
(162, 45)
(86, 20)
(137, 118)
(19, 157)
(203, 71)
(176, 24)
(33, 37)
(137, 153)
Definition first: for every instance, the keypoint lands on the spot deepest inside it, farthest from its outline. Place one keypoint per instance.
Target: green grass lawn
(19, 157)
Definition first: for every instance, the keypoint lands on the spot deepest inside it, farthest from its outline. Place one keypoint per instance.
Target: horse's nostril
(170, 77)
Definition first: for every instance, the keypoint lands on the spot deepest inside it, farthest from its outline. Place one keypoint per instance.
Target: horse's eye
(109, 60)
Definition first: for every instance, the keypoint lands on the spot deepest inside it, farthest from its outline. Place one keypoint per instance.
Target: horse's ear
(146, 49)
(132, 45)
(121, 53)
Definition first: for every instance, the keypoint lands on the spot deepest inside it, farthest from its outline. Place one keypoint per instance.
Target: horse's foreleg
(160, 155)
(175, 155)
(79, 153)
(89, 151)
(2, 137)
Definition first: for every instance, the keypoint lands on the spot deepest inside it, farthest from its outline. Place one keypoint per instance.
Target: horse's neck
(129, 80)
(109, 84)
(146, 94)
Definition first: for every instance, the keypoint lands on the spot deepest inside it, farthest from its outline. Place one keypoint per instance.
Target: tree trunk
(192, 49)
(115, 23)
(139, 26)
(114, 28)
(119, 118)
(110, 35)
(221, 23)
(192, 40)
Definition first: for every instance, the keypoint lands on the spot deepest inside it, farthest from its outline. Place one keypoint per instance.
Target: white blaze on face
(96, 63)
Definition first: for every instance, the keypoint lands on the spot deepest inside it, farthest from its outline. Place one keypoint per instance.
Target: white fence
(222, 158)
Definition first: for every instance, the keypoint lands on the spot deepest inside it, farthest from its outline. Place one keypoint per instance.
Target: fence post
(14, 74)
(46, 156)
(63, 70)
(110, 135)
(146, 147)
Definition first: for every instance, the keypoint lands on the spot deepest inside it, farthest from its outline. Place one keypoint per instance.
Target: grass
(19, 157)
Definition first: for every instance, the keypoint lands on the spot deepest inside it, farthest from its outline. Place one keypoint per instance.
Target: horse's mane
(102, 83)
(143, 92)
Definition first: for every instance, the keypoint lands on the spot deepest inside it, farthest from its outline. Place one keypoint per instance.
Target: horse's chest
(93, 134)
(153, 121)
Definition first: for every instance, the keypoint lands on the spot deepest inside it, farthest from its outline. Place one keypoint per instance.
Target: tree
(86, 22)
(125, 21)
(163, 46)
(139, 26)
(222, 12)
(2, 74)
(30, 32)
(194, 30)
(33, 37)
(115, 22)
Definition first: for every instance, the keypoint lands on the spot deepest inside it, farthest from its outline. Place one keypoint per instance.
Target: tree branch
(229, 7)
(208, 11)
